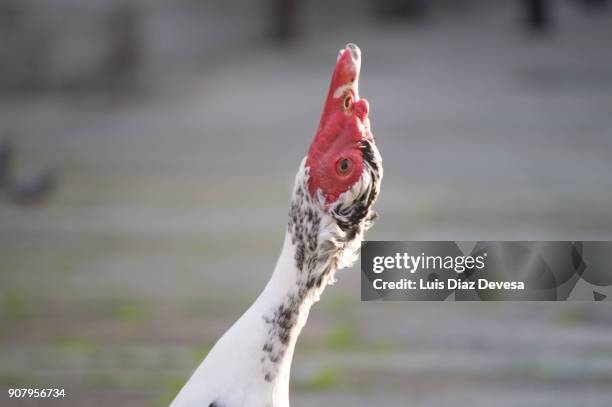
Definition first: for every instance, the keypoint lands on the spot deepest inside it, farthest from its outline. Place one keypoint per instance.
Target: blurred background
(147, 154)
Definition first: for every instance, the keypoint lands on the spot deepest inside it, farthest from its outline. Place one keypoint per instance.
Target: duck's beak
(345, 78)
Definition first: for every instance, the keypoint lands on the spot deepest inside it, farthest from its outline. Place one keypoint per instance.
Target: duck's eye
(344, 166)
(348, 102)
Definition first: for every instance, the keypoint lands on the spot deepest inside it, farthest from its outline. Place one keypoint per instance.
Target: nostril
(362, 108)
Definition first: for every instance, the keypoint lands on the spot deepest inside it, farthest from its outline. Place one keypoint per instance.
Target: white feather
(233, 373)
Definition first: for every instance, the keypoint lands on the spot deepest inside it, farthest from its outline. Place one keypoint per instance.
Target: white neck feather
(250, 365)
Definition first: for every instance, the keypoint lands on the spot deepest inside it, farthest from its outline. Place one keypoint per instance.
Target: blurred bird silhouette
(6, 158)
(33, 190)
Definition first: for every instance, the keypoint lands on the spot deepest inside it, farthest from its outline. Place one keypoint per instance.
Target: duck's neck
(320, 239)
(250, 365)
(306, 265)
(317, 243)
(284, 306)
